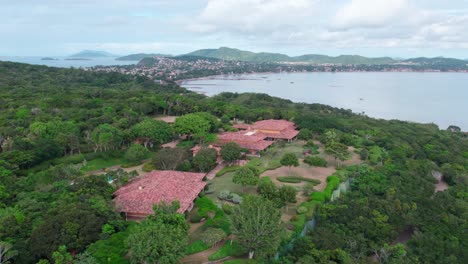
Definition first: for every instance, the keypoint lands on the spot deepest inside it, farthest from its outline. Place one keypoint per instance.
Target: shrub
(315, 161)
(236, 199)
(289, 179)
(205, 160)
(267, 188)
(297, 179)
(196, 218)
(301, 210)
(233, 249)
(318, 196)
(136, 152)
(147, 167)
(293, 218)
(211, 236)
(224, 194)
(226, 170)
(305, 134)
(184, 166)
(227, 208)
(205, 205)
(195, 247)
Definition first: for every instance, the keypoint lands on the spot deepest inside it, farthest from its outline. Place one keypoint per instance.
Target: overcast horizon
(373, 28)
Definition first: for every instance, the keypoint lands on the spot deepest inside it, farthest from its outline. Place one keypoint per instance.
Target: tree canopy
(257, 226)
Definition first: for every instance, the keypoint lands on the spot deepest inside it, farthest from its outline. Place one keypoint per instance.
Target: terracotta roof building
(246, 139)
(137, 198)
(272, 129)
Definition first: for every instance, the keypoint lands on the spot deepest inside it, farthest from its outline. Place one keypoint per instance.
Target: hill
(225, 53)
(437, 61)
(92, 54)
(140, 56)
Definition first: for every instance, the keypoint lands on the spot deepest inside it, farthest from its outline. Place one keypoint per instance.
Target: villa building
(260, 135)
(137, 198)
(271, 129)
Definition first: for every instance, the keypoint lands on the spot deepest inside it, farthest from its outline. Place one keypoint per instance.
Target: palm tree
(6, 253)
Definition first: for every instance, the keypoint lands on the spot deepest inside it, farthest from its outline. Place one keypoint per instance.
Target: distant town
(163, 69)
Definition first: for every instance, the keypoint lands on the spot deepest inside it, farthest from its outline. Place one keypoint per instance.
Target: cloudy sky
(397, 28)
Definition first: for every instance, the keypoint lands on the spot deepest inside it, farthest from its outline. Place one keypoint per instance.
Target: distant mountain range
(92, 54)
(140, 56)
(225, 53)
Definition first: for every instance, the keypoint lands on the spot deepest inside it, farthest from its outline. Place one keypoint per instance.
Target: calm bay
(429, 97)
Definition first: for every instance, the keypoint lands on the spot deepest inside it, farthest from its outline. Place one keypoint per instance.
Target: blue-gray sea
(63, 63)
(429, 97)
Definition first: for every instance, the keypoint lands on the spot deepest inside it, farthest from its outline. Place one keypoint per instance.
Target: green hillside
(241, 55)
(140, 56)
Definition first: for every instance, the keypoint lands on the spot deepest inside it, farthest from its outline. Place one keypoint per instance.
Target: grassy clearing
(230, 249)
(225, 183)
(100, 163)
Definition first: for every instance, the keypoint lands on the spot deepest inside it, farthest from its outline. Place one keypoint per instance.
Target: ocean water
(431, 97)
(63, 63)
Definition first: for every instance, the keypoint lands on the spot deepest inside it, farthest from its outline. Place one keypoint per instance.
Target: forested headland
(54, 121)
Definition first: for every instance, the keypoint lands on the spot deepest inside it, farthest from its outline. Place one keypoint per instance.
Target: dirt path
(202, 257)
(194, 227)
(441, 185)
(213, 172)
(171, 144)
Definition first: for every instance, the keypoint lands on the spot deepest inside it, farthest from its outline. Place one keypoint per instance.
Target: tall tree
(245, 176)
(161, 238)
(205, 160)
(170, 158)
(231, 152)
(337, 150)
(136, 153)
(256, 225)
(192, 125)
(289, 159)
(6, 252)
(106, 137)
(152, 132)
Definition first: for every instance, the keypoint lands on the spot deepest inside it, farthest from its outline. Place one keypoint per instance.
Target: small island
(49, 58)
(78, 59)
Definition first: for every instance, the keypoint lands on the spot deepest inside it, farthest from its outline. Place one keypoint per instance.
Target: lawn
(100, 163)
(225, 183)
(229, 249)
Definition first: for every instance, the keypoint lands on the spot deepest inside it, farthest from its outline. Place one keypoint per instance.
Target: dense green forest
(53, 120)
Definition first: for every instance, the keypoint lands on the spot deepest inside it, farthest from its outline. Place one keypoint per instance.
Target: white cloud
(370, 13)
(251, 16)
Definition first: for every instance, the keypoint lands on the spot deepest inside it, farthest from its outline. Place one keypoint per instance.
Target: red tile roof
(242, 126)
(285, 134)
(283, 129)
(245, 139)
(272, 124)
(141, 194)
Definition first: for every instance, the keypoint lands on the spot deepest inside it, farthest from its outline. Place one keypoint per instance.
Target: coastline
(211, 77)
(359, 101)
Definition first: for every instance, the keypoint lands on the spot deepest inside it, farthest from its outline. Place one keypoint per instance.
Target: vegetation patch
(297, 179)
(315, 161)
(229, 249)
(195, 247)
(226, 170)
